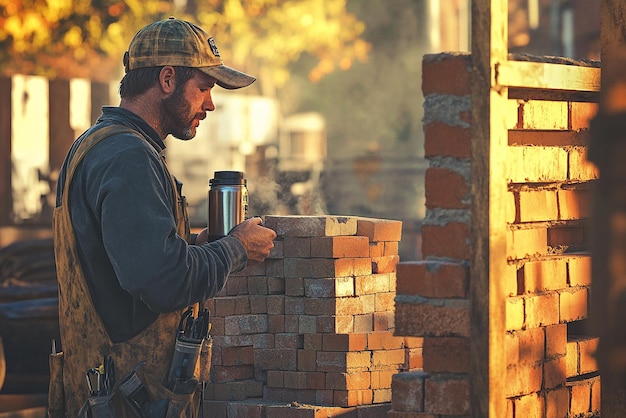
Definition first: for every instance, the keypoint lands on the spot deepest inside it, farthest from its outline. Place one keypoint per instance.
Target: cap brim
(227, 77)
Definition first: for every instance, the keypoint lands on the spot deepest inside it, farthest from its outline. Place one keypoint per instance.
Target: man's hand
(256, 239)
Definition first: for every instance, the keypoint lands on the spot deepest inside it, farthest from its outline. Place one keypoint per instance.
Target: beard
(177, 117)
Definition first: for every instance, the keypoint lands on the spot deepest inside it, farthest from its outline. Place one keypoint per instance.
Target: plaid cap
(180, 43)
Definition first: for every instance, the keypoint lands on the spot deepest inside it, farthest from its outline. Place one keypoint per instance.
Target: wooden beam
(541, 75)
(488, 190)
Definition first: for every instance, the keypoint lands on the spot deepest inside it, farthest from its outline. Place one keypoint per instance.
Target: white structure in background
(238, 125)
(29, 143)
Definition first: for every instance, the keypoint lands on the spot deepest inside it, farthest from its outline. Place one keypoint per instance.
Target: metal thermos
(228, 202)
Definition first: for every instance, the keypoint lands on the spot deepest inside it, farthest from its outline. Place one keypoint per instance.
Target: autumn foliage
(87, 38)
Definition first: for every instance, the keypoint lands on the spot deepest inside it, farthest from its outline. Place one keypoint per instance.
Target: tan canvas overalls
(85, 342)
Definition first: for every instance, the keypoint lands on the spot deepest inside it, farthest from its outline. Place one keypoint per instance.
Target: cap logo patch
(214, 49)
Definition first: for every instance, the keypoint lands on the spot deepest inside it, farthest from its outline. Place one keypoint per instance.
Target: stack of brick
(310, 331)
(550, 369)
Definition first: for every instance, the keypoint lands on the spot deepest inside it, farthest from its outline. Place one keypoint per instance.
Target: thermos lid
(228, 178)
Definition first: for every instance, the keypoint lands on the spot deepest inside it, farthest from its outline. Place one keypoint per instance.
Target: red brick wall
(310, 331)
(550, 369)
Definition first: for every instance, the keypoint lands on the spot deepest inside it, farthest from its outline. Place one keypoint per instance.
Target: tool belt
(141, 394)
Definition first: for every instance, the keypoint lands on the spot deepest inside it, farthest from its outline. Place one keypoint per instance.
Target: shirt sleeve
(133, 197)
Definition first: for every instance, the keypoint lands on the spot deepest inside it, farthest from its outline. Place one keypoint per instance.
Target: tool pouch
(97, 407)
(184, 373)
(154, 400)
(56, 392)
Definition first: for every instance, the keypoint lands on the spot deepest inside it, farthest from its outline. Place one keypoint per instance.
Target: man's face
(182, 111)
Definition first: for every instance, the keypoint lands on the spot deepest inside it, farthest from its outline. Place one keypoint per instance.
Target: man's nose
(208, 103)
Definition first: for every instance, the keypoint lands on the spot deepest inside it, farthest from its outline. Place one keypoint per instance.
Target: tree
(87, 38)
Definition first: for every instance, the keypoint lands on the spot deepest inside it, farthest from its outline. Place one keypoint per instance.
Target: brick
(451, 240)
(557, 403)
(245, 324)
(523, 379)
(276, 285)
(295, 380)
(538, 205)
(242, 305)
(514, 318)
(572, 358)
(446, 73)
(289, 340)
(446, 189)
(580, 167)
(275, 323)
(364, 322)
(348, 381)
(278, 250)
(377, 249)
(381, 379)
(442, 139)
(511, 348)
(432, 317)
(307, 324)
(379, 229)
(307, 360)
(245, 410)
(579, 270)
(275, 359)
(313, 341)
(311, 226)
(362, 304)
(275, 304)
(352, 397)
(446, 355)
(566, 236)
(531, 345)
(384, 340)
(555, 372)
(581, 399)
(543, 114)
(526, 164)
(433, 279)
(340, 247)
(297, 247)
(391, 248)
(383, 359)
(297, 268)
(329, 287)
(257, 286)
(573, 304)
(383, 321)
(556, 340)
(587, 349)
(384, 302)
(529, 406)
(574, 204)
(408, 391)
(224, 306)
(345, 342)
(447, 395)
(341, 267)
(581, 113)
(386, 264)
(523, 243)
(542, 310)
(372, 284)
(511, 207)
(237, 286)
(220, 374)
(595, 395)
(315, 380)
(235, 356)
(543, 274)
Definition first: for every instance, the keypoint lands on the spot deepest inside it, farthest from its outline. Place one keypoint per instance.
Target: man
(126, 263)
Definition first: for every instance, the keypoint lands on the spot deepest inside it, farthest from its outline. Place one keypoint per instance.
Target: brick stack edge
(309, 332)
(550, 367)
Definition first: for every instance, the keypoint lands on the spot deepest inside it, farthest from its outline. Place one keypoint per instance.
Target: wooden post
(488, 259)
(61, 133)
(6, 193)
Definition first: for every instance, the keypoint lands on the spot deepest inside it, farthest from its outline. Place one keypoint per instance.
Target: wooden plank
(541, 75)
(6, 197)
(488, 190)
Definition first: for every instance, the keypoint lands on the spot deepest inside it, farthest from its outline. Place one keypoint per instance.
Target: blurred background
(332, 126)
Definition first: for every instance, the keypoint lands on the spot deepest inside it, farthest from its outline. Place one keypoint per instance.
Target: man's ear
(167, 80)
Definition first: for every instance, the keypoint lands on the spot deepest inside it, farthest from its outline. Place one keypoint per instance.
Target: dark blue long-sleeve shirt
(121, 205)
